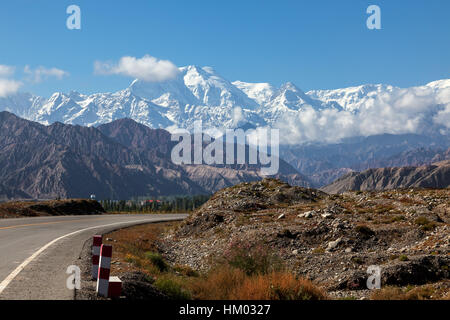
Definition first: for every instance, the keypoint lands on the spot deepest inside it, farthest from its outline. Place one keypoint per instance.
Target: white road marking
(13, 274)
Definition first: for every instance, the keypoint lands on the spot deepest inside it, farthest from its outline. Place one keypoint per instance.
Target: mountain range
(436, 175)
(125, 159)
(200, 93)
(118, 145)
(118, 160)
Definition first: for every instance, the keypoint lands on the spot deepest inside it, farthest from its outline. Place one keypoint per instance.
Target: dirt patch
(50, 208)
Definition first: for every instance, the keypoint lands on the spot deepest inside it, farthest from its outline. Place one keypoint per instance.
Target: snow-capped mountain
(354, 98)
(202, 94)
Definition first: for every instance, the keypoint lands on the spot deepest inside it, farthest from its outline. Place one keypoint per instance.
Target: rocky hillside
(330, 239)
(436, 175)
(324, 163)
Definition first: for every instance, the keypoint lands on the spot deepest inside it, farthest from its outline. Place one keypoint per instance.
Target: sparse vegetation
(251, 259)
(242, 272)
(157, 260)
(172, 287)
(403, 258)
(394, 293)
(277, 286)
(365, 231)
(425, 224)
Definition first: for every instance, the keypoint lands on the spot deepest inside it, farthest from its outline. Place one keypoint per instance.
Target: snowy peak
(213, 90)
(352, 98)
(261, 93)
(166, 93)
(200, 93)
(294, 98)
(194, 86)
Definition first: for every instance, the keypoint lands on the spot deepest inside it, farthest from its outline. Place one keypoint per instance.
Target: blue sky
(315, 44)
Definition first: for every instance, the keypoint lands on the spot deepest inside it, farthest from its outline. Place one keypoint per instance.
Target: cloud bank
(8, 86)
(414, 110)
(6, 71)
(147, 68)
(41, 73)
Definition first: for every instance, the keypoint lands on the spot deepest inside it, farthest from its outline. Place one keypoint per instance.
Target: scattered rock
(333, 244)
(307, 214)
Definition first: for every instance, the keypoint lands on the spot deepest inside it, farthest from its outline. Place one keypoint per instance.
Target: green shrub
(421, 221)
(172, 288)
(425, 224)
(157, 260)
(403, 258)
(429, 226)
(186, 270)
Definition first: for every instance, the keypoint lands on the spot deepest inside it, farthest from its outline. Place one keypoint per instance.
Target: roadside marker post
(115, 287)
(97, 242)
(104, 270)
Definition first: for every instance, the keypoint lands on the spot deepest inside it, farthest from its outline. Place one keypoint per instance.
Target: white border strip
(13, 274)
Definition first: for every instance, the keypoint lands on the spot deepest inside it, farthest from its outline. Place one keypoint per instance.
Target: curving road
(35, 252)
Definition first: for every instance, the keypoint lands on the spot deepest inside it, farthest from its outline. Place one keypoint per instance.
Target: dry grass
(277, 286)
(218, 284)
(234, 284)
(135, 247)
(249, 272)
(395, 293)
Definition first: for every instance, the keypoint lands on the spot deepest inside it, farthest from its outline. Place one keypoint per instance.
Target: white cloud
(42, 73)
(412, 110)
(147, 68)
(8, 87)
(6, 71)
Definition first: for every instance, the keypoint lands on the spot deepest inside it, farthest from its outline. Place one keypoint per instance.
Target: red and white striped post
(96, 255)
(104, 270)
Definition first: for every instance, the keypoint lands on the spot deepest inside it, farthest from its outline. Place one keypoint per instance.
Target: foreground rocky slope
(436, 175)
(330, 239)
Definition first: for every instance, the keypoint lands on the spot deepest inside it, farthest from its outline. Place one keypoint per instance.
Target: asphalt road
(35, 252)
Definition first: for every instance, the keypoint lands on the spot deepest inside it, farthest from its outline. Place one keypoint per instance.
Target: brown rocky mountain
(324, 163)
(73, 161)
(156, 144)
(117, 161)
(436, 175)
